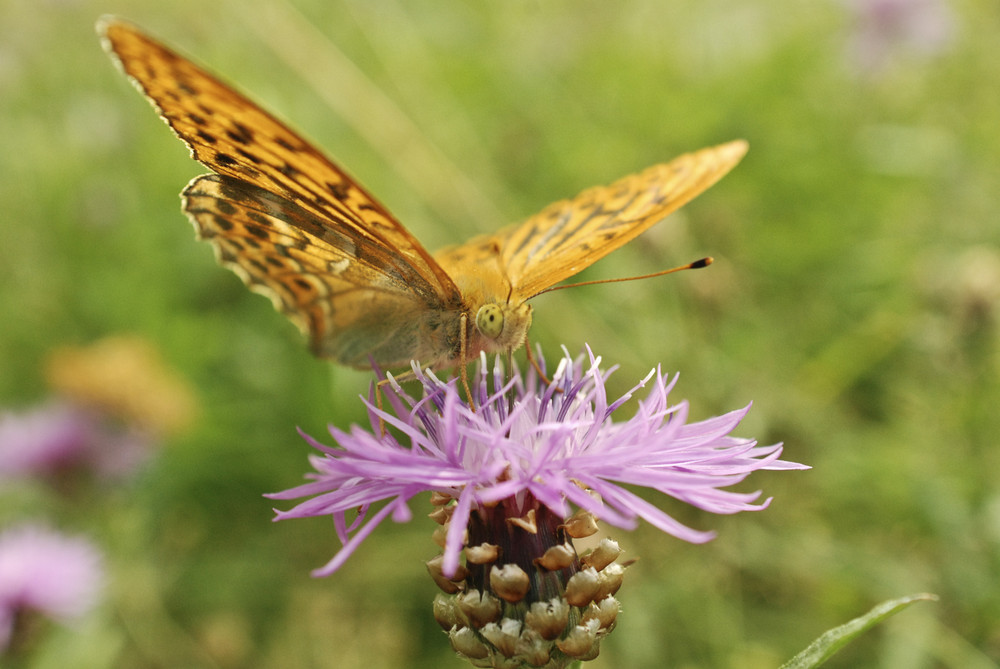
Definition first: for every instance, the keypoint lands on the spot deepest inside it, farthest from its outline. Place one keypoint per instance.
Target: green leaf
(820, 650)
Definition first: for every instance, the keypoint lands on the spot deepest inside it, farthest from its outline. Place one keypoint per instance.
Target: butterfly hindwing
(348, 293)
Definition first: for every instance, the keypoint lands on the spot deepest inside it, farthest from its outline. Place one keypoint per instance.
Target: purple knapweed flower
(58, 440)
(555, 442)
(885, 30)
(47, 573)
(44, 440)
(505, 477)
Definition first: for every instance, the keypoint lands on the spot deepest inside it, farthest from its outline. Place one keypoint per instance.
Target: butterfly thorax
(494, 322)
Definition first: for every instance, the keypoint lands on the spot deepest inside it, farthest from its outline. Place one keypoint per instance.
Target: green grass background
(854, 300)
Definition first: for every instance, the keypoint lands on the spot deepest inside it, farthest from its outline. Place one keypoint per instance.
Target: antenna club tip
(704, 262)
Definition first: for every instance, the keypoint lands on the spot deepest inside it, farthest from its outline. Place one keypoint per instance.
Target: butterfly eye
(489, 320)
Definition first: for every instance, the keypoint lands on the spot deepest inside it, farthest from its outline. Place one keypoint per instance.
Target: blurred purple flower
(43, 440)
(885, 29)
(46, 572)
(61, 438)
(554, 443)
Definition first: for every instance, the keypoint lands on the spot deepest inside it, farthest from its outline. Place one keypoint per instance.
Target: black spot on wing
(223, 223)
(223, 163)
(338, 189)
(258, 232)
(240, 134)
(258, 218)
(526, 238)
(249, 156)
(250, 260)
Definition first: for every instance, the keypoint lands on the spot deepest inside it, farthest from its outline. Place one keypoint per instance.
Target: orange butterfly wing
(570, 235)
(291, 223)
(510, 267)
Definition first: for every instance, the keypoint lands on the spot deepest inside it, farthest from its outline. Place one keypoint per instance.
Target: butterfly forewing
(233, 136)
(570, 235)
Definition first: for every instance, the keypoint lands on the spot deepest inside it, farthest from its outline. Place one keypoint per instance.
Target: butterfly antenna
(697, 264)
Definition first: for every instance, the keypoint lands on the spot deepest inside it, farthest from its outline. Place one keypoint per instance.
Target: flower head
(115, 400)
(44, 440)
(555, 443)
(505, 476)
(58, 440)
(886, 30)
(45, 572)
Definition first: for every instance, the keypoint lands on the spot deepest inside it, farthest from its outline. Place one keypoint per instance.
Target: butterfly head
(502, 327)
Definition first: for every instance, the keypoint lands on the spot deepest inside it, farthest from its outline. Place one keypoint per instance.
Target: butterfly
(296, 228)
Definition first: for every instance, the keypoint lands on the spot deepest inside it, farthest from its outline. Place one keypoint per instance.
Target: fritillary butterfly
(296, 228)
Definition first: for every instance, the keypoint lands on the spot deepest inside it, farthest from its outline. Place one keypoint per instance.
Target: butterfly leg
(380, 385)
(378, 403)
(463, 355)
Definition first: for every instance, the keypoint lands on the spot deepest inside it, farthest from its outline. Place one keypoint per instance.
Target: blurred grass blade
(820, 650)
(444, 185)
